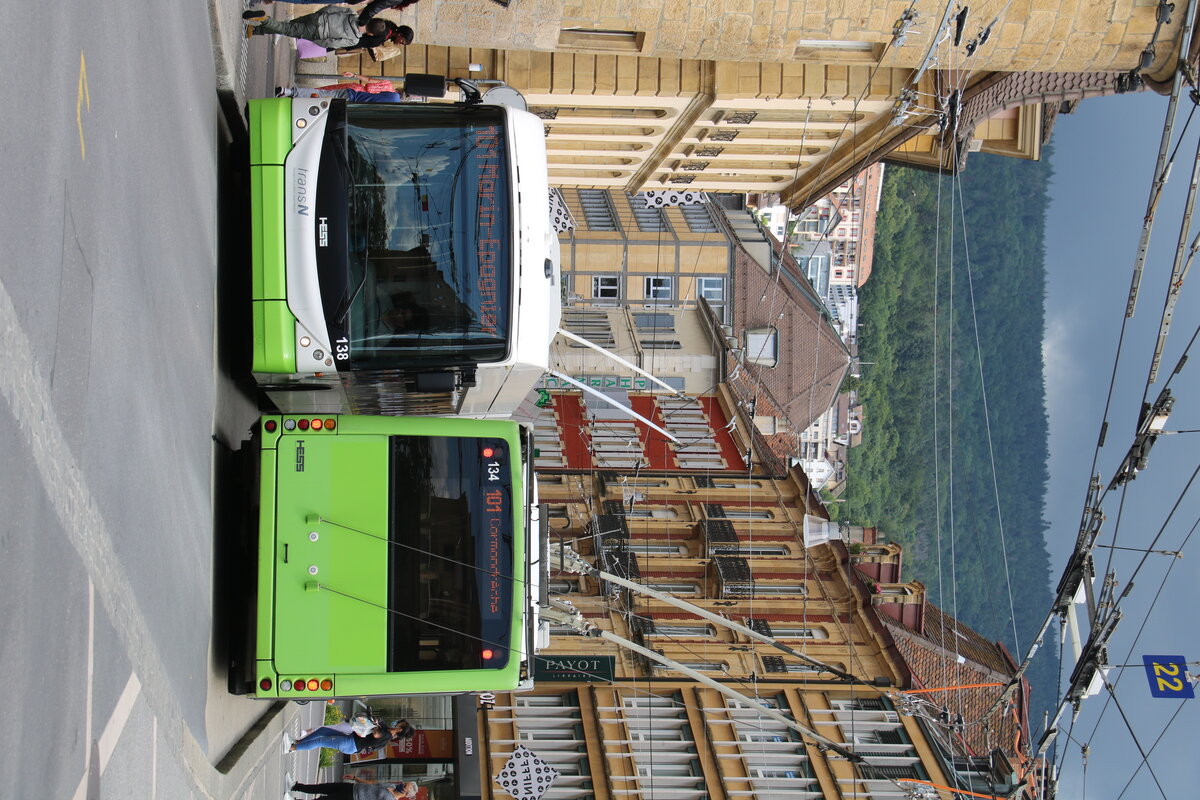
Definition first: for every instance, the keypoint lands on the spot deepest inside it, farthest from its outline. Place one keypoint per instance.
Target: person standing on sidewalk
(361, 790)
(331, 27)
(351, 95)
(368, 13)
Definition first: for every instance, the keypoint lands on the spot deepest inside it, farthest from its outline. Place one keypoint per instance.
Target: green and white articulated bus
(403, 256)
(396, 555)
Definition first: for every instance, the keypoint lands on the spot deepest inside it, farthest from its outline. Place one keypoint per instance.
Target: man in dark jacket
(331, 27)
(375, 6)
(371, 9)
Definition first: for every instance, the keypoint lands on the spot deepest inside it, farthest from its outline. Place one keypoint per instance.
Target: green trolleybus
(403, 257)
(396, 555)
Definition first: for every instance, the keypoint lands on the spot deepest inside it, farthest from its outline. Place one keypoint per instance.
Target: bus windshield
(420, 253)
(449, 587)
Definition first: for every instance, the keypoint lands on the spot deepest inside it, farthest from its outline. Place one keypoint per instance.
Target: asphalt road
(120, 327)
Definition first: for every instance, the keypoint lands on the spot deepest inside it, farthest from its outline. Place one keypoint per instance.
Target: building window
(591, 324)
(601, 39)
(712, 289)
(634, 511)
(775, 760)
(652, 549)
(684, 630)
(675, 587)
(751, 550)
(746, 513)
(802, 667)
(606, 287)
(659, 288)
(866, 704)
(697, 215)
(762, 346)
(721, 484)
(796, 632)
(663, 747)
(648, 218)
(719, 511)
(656, 331)
(838, 51)
(699, 666)
(553, 725)
(763, 588)
(598, 212)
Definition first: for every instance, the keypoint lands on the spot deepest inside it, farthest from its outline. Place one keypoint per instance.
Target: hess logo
(323, 232)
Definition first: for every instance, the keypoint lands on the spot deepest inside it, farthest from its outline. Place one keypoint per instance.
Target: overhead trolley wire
(987, 428)
(1089, 514)
(1145, 761)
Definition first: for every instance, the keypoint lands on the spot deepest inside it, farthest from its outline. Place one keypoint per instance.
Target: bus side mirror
(435, 381)
(423, 85)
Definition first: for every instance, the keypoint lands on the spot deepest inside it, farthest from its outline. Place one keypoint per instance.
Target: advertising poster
(424, 745)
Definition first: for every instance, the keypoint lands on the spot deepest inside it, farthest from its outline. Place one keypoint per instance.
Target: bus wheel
(239, 682)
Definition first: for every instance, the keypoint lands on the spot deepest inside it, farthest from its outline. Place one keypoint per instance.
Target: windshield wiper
(346, 304)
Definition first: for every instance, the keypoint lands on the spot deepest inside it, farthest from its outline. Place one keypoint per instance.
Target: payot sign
(573, 668)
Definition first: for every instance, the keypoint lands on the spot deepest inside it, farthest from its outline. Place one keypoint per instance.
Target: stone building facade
(756, 548)
(786, 96)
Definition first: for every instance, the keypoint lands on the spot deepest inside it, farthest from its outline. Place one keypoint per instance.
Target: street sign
(525, 776)
(574, 668)
(1168, 677)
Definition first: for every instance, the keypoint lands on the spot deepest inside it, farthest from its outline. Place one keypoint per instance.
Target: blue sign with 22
(1168, 676)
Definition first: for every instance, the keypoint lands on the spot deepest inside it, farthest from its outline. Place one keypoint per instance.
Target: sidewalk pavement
(252, 67)
(247, 68)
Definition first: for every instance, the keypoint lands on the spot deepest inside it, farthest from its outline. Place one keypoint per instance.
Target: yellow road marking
(82, 98)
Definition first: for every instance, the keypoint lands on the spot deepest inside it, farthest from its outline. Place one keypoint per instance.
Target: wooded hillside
(924, 473)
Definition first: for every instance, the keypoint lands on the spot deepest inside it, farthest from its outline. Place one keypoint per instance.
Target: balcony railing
(733, 576)
(718, 536)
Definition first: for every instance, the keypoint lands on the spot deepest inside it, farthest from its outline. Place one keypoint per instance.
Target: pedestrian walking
(331, 27)
(349, 95)
(361, 789)
(362, 83)
(369, 12)
(341, 736)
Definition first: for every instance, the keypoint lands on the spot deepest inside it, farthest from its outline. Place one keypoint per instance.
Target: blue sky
(1103, 162)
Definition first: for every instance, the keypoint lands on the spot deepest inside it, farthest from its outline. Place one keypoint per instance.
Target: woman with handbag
(338, 737)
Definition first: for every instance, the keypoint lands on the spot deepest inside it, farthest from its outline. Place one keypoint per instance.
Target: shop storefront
(441, 756)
